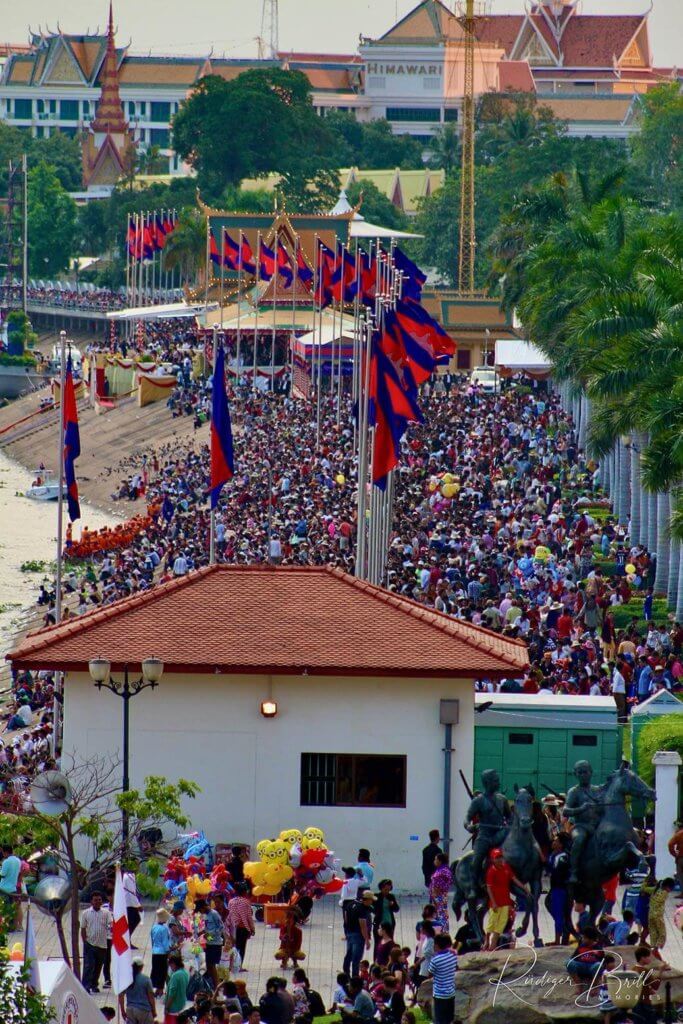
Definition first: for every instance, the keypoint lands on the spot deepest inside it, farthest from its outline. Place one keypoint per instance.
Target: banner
(154, 389)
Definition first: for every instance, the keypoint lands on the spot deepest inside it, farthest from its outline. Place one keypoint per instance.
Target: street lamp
(152, 670)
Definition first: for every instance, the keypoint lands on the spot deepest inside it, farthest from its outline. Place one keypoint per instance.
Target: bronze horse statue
(612, 846)
(522, 853)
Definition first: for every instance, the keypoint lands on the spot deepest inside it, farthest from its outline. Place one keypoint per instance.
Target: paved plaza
(322, 944)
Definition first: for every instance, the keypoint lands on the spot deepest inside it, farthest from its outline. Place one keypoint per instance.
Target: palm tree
(186, 247)
(444, 149)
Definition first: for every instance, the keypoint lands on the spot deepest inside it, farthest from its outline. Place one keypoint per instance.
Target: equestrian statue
(603, 841)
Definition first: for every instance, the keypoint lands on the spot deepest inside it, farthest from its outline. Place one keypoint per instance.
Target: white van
(486, 378)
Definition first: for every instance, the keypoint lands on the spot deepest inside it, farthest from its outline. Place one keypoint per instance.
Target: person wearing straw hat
(161, 939)
(137, 1003)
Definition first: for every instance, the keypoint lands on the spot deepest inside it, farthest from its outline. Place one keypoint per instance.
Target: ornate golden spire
(109, 114)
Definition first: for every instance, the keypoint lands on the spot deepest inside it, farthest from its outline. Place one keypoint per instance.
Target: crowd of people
(498, 519)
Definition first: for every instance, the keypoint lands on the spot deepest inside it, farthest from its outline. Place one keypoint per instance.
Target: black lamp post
(152, 670)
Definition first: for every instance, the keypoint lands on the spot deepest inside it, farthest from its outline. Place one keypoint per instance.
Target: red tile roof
(515, 76)
(499, 29)
(594, 40)
(275, 620)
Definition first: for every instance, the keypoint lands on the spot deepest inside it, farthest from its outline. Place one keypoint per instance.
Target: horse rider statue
(489, 812)
(584, 809)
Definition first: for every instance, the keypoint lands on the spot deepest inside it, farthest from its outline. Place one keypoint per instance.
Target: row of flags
(147, 233)
(406, 346)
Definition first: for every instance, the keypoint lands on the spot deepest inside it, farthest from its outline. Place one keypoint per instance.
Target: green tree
(444, 149)
(19, 1004)
(375, 206)
(261, 122)
(94, 814)
(64, 154)
(370, 145)
(51, 223)
(186, 246)
(303, 192)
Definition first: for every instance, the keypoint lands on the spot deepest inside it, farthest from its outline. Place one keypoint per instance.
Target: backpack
(316, 1004)
(197, 984)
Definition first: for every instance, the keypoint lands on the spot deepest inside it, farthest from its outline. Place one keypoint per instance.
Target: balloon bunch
(185, 876)
(294, 855)
(446, 483)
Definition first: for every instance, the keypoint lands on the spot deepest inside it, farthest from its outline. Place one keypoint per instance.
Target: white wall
(209, 729)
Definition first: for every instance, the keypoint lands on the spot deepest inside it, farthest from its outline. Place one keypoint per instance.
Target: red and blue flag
(72, 442)
(343, 282)
(248, 261)
(413, 279)
(222, 457)
(393, 406)
(303, 271)
(323, 284)
(266, 262)
(284, 265)
(231, 252)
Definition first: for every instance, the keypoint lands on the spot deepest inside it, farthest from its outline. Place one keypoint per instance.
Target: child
(394, 1004)
(376, 987)
(618, 931)
(364, 972)
(340, 995)
(606, 1006)
(657, 925)
(586, 964)
(230, 962)
(291, 938)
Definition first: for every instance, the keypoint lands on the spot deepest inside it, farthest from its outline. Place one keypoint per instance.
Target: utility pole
(467, 239)
(270, 30)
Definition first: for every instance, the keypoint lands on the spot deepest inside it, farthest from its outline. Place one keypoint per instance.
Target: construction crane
(467, 246)
(269, 40)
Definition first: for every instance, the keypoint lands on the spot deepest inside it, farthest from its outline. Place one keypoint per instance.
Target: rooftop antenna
(270, 29)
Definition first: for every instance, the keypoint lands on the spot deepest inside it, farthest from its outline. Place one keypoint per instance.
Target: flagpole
(221, 256)
(257, 269)
(315, 287)
(272, 336)
(295, 282)
(60, 530)
(239, 312)
(341, 335)
(212, 514)
(320, 357)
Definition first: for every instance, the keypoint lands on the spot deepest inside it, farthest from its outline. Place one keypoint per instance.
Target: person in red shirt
(499, 877)
(564, 625)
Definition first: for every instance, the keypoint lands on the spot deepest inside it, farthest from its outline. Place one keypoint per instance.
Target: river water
(28, 532)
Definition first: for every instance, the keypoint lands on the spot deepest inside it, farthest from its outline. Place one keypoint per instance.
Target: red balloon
(334, 886)
(313, 859)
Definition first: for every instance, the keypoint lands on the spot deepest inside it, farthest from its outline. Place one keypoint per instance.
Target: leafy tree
(658, 146)
(662, 733)
(261, 122)
(303, 192)
(51, 222)
(186, 246)
(381, 148)
(94, 814)
(64, 154)
(20, 1005)
(347, 132)
(444, 149)
(375, 206)
(242, 200)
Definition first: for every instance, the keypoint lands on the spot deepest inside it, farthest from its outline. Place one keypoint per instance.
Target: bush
(8, 360)
(663, 733)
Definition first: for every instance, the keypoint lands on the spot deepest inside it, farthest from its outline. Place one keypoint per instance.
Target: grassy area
(623, 613)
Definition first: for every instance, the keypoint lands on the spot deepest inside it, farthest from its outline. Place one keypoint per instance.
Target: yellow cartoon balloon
(262, 846)
(314, 833)
(290, 836)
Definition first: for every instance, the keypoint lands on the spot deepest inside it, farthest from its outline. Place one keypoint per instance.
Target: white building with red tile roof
(357, 674)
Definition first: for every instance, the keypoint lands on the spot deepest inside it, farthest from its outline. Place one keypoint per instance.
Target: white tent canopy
(521, 356)
(360, 227)
(65, 994)
(329, 333)
(168, 311)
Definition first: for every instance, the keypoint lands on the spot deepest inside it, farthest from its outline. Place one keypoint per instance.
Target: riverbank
(108, 440)
(28, 544)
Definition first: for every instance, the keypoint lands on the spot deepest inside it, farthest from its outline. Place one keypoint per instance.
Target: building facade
(355, 679)
(588, 68)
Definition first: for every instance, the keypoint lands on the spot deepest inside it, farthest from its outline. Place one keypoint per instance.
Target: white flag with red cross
(121, 956)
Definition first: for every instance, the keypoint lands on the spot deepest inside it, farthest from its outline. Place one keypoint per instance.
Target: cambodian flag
(413, 278)
(418, 324)
(248, 261)
(222, 458)
(214, 254)
(161, 231)
(266, 262)
(231, 252)
(323, 284)
(284, 265)
(393, 407)
(344, 277)
(72, 442)
(303, 271)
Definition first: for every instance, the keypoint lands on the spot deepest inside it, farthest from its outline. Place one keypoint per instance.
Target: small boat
(45, 486)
